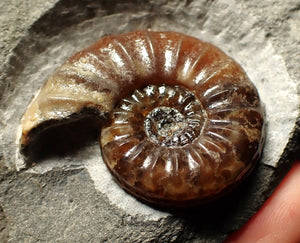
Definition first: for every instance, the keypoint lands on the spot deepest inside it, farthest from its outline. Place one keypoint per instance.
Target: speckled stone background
(71, 197)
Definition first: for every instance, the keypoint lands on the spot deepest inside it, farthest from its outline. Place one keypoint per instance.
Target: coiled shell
(186, 124)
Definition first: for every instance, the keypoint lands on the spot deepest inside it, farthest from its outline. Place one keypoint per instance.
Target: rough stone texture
(63, 206)
(63, 198)
(15, 18)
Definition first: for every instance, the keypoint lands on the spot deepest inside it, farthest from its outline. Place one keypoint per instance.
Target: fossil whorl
(185, 124)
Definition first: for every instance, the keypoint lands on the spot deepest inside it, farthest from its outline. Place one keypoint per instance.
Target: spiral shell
(185, 122)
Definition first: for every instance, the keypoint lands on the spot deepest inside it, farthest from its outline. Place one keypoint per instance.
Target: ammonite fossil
(184, 123)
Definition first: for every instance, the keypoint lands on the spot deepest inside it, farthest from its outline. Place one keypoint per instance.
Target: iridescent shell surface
(185, 122)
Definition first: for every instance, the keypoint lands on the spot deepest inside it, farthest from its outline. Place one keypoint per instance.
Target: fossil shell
(185, 122)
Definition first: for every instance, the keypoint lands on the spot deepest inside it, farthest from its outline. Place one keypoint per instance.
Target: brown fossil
(185, 122)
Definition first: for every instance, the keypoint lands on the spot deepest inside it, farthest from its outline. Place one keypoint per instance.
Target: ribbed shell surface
(144, 80)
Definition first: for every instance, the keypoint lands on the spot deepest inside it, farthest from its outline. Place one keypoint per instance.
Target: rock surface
(70, 196)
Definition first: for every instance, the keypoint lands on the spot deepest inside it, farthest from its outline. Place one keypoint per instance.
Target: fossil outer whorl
(186, 122)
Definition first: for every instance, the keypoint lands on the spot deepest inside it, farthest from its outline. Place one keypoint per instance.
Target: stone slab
(70, 196)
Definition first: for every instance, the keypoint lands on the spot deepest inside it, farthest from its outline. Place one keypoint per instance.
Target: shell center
(168, 127)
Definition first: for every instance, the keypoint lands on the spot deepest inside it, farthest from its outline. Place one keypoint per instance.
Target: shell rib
(186, 124)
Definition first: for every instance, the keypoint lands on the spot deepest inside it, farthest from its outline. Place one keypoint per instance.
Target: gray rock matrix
(64, 198)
